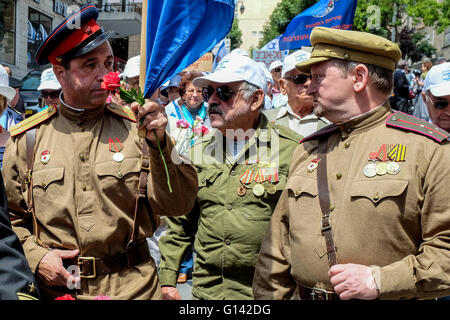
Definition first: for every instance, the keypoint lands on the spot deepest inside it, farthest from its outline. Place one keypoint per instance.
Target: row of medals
(258, 189)
(373, 169)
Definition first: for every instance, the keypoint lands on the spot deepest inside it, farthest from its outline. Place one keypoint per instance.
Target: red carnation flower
(65, 297)
(111, 81)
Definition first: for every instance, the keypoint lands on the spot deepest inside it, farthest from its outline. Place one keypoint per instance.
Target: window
(447, 38)
(7, 31)
(254, 34)
(39, 26)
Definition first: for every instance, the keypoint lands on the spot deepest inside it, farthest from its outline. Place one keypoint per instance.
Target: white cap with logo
(133, 67)
(5, 89)
(49, 80)
(233, 68)
(438, 80)
(275, 64)
(291, 60)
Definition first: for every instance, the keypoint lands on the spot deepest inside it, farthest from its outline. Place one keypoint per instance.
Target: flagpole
(143, 54)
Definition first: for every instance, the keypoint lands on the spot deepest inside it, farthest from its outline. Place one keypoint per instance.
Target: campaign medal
(370, 170)
(118, 157)
(116, 148)
(392, 168)
(313, 165)
(381, 168)
(270, 188)
(45, 157)
(241, 191)
(258, 190)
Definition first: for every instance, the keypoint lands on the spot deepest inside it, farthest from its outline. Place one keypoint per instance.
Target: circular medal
(241, 191)
(118, 157)
(270, 188)
(258, 190)
(392, 168)
(370, 170)
(381, 169)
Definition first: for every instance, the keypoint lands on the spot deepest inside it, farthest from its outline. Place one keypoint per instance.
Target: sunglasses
(299, 78)
(224, 93)
(51, 94)
(439, 105)
(276, 69)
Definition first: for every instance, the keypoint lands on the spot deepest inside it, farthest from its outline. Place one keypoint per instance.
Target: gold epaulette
(123, 112)
(24, 296)
(406, 122)
(33, 121)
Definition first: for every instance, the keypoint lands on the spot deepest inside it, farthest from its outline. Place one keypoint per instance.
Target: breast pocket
(48, 184)
(119, 178)
(376, 192)
(302, 187)
(208, 191)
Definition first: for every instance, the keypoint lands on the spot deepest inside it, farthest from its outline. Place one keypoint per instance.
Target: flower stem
(164, 161)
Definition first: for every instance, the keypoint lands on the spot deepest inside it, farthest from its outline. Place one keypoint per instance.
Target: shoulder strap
(33, 121)
(122, 112)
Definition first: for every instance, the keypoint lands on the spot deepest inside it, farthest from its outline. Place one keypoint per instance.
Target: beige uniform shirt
(397, 223)
(85, 199)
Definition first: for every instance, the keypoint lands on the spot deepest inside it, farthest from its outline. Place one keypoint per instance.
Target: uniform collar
(80, 115)
(286, 109)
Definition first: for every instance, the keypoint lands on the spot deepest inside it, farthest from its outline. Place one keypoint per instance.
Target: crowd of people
(307, 180)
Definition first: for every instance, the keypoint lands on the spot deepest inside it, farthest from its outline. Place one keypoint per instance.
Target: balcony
(124, 19)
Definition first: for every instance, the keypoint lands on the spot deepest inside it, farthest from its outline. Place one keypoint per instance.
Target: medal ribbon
(112, 143)
(398, 153)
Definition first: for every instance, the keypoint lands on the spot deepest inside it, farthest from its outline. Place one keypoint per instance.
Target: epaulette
(322, 132)
(33, 121)
(406, 122)
(123, 112)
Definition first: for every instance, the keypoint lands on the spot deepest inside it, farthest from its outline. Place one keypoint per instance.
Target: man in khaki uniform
(72, 174)
(365, 211)
(242, 168)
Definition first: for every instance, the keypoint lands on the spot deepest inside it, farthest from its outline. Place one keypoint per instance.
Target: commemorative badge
(241, 191)
(45, 157)
(392, 168)
(313, 165)
(258, 190)
(116, 148)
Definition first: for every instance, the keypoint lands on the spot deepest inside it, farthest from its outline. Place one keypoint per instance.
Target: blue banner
(181, 31)
(273, 44)
(337, 14)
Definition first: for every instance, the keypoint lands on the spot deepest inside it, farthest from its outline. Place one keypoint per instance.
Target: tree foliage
(235, 35)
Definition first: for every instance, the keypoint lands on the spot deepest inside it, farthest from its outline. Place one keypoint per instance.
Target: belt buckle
(146, 168)
(94, 273)
(315, 291)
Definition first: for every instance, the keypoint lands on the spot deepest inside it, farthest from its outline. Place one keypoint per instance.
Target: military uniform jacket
(226, 227)
(84, 199)
(399, 224)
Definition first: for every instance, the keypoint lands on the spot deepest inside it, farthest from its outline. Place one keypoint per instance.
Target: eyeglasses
(51, 94)
(439, 105)
(276, 69)
(224, 93)
(299, 78)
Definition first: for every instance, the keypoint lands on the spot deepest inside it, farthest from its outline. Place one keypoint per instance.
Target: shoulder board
(321, 133)
(24, 296)
(33, 121)
(123, 112)
(406, 122)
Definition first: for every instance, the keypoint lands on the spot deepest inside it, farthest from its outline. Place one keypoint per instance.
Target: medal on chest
(115, 146)
(389, 155)
(45, 157)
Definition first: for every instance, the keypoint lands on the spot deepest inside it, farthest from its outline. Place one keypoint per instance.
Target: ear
(60, 73)
(257, 100)
(360, 78)
(282, 83)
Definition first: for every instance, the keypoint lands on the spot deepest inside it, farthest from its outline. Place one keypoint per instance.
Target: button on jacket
(228, 221)
(398, 224)
(84, 198)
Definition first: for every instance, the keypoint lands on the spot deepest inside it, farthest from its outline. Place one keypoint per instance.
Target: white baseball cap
(233, 68)
(266, 72)
(240, 52)
(438, 80)
(275, 64)
(5, 89)
(133, 67)
(291, 60)
(49, 81)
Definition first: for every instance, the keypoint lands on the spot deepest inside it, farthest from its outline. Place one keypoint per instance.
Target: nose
(310, 89)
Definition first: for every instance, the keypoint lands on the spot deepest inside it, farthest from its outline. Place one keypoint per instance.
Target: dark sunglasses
(224, 93)
(299, 78)
(51, 94)
(276, 69)
(439, 105)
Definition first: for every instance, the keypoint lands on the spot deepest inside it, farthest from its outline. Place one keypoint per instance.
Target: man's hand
(51, 270)
(353, 281)
(151, 116)
(170, 293)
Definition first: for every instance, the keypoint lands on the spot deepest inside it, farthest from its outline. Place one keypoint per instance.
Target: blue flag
(273, 44)
(337, 14)
(222, 52)
(181, 31)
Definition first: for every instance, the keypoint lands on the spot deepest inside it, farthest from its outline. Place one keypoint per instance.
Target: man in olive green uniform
(296, 113)
(365, 212)
(242, 169)
(72, 174)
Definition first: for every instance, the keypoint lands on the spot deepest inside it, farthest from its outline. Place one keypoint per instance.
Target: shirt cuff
(168, 277)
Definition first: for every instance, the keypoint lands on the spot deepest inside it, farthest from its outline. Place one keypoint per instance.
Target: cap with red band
(78, 34)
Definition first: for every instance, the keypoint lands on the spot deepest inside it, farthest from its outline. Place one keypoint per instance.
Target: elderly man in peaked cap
(84, 190)
(365, 211)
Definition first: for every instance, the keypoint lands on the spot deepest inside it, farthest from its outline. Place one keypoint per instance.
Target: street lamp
(240, 5)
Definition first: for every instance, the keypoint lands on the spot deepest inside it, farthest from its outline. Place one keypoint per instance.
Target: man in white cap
(131, 72)
(50, 88)
(275, 69)
(242, 167)
(296, 110)
(436, 94)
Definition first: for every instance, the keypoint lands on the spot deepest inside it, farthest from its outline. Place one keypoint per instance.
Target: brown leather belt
(90, 267)
(307, 293)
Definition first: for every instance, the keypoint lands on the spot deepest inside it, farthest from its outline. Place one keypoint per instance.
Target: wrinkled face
(51, 97)
(439, 110)
(81, 83)
(192, 96)
(331, 92)
(295, 90)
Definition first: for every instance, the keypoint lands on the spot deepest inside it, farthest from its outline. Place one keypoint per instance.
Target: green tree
(235, 35)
